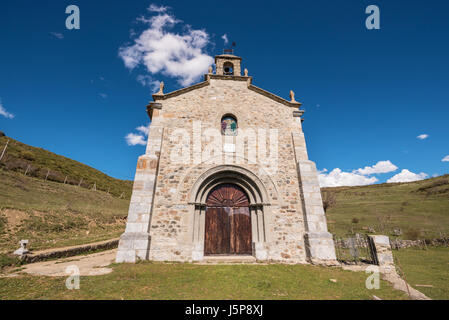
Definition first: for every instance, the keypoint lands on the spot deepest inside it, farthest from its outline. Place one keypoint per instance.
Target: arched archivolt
(240, 176)
(259, 205)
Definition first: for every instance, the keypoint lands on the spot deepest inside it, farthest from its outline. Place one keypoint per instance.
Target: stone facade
(167, 210)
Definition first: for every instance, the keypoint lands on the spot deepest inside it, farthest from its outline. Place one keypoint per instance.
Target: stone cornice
(274, 97)
(151, 107)
(298, 113)
(227, 57)
(172, 94)
(208, 77)
(223, 77)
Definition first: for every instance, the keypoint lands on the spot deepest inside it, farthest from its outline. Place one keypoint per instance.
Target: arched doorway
(228, 221)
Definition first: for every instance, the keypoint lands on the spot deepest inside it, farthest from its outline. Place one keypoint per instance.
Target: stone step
(229, 259)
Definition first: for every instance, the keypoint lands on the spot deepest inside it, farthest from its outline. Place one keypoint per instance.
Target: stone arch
(258, 198)
(228, 68)
(185, 190)
(221, 174)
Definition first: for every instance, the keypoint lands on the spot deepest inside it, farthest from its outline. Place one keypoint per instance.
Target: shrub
(329, 200)
(412, 234)
(27, 155)
(7, 260)
(2, 223)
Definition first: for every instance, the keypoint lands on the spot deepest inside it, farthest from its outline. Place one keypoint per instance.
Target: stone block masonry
(168, 209)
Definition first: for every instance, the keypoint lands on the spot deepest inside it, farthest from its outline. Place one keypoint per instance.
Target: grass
(420, 209)
(190, 281)
(426, 267)
(7, 260)
(51, 214)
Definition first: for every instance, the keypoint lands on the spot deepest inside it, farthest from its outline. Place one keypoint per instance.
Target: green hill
(43, 164)
(420, 209)
(49, 212)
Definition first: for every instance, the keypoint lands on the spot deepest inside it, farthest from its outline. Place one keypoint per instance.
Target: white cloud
(380, 167)
(407, 176)
(422, 136)
(156, 8)
(359, 177)
(147, 81)
(225, 38)
(164, 52)
(446, 159)
(143, 129)
(5, 113)
(57, 35)
(337, 178)
(133, 139)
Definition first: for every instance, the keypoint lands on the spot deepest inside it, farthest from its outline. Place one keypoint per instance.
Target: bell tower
(228, 65)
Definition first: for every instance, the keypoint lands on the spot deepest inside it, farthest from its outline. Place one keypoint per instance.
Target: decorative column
(198, 234)
(259, 249)
(319, 242)
(135, 242)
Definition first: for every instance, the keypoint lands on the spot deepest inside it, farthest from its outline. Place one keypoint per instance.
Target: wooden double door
(228, 222)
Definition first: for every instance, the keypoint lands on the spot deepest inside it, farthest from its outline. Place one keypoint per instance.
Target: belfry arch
(258, 200)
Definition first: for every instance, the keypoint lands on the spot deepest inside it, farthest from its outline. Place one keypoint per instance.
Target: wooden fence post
(4, 150)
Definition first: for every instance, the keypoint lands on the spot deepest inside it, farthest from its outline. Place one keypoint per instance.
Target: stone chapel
(226, 174)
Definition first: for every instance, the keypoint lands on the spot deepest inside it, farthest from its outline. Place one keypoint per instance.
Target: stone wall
(360, 242)
(402, 244)
(69, 251)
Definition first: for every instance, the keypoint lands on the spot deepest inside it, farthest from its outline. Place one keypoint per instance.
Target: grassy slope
(426, 267)
(52, 214)
(19, 156)
(187, 281)
(420, 209)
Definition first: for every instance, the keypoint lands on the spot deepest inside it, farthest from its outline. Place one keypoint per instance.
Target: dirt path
(392, 277)
(89, 265)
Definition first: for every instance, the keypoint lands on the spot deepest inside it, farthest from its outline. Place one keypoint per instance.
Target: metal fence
(354, 250)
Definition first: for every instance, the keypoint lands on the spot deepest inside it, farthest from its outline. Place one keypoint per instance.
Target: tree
(329, 200)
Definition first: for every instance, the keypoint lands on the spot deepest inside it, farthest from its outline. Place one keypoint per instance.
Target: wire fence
(27, 168)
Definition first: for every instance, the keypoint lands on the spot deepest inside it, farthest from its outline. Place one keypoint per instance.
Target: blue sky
(368, 94)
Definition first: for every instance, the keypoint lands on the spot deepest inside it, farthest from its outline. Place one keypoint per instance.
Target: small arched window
(228, 69)
(229, 125)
